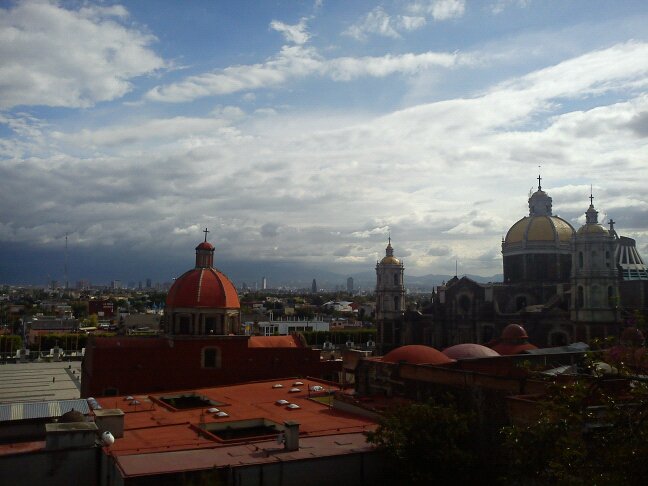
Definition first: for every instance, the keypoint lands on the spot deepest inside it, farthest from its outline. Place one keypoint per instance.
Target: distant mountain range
(38, 266)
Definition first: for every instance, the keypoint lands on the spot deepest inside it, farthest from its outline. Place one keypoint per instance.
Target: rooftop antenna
(205, 231)
(456, 268)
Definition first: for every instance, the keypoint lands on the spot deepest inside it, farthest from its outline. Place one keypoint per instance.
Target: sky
(303, 133)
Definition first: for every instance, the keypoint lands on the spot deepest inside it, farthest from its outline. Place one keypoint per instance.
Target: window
(396, 279)
(184, 325)
(396, 303)
(581, 298)
(211, 358)
(580, 259)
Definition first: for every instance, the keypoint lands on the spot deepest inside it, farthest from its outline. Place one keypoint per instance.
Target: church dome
(417, 354)
(514, 331)
(390, 260)
(205, 245)
(203, 287)
(539, 229)
(592, 229)
(469, 351)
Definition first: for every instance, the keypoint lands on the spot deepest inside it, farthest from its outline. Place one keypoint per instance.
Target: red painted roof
(274, 342)
(151, 428)
(203, 287)
(417, 354)
(469, 350)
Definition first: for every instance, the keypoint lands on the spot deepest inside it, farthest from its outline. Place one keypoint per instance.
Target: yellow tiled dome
(539, 228)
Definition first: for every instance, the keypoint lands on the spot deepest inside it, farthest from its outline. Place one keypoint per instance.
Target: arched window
(396, 303)
(581, 298)
(396, 279)
(580, 259)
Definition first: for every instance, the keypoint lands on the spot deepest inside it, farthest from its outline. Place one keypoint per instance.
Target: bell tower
(595, 287)
(390, 300)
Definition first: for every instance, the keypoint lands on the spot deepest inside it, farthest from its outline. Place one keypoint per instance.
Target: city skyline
(302, 134)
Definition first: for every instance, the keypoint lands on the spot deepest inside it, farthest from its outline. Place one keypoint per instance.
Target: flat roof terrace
(22, 382)
(153, 426)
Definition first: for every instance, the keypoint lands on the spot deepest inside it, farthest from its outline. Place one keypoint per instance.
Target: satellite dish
(107, 439)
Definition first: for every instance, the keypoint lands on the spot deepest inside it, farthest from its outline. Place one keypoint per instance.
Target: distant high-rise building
(264, 283)
(139, 285)
(314, 287)
(350, 284)
(116, 284)
(148, 283)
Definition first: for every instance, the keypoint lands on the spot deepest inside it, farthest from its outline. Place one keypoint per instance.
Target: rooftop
(161, 438)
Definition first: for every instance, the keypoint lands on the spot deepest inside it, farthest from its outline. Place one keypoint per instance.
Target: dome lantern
(205, 253)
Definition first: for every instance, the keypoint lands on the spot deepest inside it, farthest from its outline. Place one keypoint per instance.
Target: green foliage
(9, 343)
(588, 432)
(358, 336)
(426, 443)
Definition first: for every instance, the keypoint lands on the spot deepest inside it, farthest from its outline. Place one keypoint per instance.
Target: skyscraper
(350, 284)
(314, 287)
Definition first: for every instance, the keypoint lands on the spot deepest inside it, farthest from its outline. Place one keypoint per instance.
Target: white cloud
(500, 5)
(295, 62)
(447, 9)
(58, 57)
(296, 33)
(439, 9)
(375, 22)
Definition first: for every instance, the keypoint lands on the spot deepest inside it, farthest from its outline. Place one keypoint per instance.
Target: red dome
(514, 331)
(205, 245)
(469, 350)
(417, 354)
(203, 287)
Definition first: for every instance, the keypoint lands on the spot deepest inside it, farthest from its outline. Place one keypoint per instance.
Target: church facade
(563, 285)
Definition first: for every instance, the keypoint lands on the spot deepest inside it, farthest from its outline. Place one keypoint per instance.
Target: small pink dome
(468, 351)
(417, 354)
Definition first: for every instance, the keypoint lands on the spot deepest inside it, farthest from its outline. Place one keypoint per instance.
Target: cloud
(294, 62)
(313, 185)
(295, 34)
(375, 22)
(439, 9)
(74, 58)
(500, 5)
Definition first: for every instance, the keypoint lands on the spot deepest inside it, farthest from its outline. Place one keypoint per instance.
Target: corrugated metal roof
(35, 410)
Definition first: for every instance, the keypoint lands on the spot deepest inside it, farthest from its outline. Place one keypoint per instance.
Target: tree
(589, 431)
(426, 442)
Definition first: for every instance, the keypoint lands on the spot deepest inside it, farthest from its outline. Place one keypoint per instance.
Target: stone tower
(595, 288)
(390, 300)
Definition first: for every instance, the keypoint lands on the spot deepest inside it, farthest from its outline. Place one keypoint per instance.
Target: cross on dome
(205, 231)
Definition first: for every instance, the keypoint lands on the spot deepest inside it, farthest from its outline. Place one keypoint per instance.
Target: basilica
(562, 284)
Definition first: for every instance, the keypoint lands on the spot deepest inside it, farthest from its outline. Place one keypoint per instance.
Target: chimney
(111, 420)
(292, 436)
